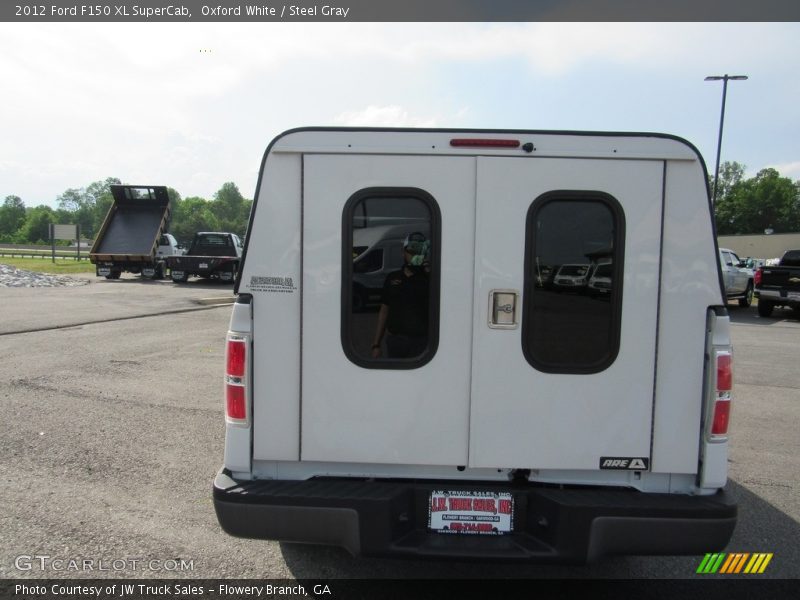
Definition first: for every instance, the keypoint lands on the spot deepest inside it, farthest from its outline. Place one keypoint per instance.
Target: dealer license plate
(203, 265)
(479, 513)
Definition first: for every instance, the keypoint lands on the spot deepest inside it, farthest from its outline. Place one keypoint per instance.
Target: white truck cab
(168, 246)
(474, 411)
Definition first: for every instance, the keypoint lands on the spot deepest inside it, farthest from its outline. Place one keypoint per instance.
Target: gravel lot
(112, 433)
(13, 277)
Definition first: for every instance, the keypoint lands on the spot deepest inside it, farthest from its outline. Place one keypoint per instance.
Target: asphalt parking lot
(111, 404)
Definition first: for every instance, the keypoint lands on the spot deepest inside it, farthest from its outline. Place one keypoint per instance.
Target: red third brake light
(235, 379)
(483, 143)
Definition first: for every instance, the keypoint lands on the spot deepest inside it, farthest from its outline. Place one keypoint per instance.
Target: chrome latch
(503, 306)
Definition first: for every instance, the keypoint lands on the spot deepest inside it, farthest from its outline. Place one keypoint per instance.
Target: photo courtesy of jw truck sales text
(479, 344)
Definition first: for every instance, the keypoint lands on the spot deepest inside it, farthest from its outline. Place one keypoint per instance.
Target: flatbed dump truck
(133, 237)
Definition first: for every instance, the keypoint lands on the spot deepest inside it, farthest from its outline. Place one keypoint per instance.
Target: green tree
(87, 206)
(36, 228)
(192, 215)
(174, 199)
(231, 208)
(766, 201)
(12, 216)
(731, 175)
(98, 194)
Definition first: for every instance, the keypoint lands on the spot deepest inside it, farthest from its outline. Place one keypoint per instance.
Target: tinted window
(390, 287)
(367, 262)
(571, 323)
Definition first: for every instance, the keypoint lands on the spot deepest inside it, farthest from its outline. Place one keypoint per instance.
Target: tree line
(767, 201)
(228, 210)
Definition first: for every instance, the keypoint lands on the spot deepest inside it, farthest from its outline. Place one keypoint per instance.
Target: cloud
(194, 104)
(790, 169)
(383, 116)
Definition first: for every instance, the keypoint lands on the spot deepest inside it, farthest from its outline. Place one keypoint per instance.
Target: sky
(194, 105)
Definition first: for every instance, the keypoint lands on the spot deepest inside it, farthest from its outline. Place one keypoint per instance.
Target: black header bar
(398, 10)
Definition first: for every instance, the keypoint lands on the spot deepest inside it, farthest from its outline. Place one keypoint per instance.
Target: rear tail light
(757, 276)
(722, 401)
(236, 379)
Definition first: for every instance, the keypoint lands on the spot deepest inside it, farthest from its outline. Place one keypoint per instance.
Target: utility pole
(724, 78)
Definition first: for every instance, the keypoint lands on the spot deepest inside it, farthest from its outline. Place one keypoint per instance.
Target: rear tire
(747, 300)
(765, 308)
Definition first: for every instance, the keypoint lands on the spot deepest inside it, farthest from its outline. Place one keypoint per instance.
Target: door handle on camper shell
(503, 309)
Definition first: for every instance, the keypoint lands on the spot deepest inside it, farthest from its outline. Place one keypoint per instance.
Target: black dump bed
(134, 222)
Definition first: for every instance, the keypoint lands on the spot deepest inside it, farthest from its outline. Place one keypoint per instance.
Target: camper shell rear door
(489, 395)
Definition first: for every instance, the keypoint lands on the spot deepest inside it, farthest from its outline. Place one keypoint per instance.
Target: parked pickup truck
(133, 237)
(737, 277)
(478, 413)
(779, 285)
(213, 254)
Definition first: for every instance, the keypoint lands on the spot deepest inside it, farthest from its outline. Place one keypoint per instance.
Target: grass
(46, 265)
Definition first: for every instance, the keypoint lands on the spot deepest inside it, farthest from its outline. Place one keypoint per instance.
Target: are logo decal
(620, 463)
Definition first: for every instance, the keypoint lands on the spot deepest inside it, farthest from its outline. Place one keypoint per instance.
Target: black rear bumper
(379, 518)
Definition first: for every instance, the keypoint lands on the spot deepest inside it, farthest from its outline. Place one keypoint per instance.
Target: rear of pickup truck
(778, 286)
(480, 413)
(212, 254)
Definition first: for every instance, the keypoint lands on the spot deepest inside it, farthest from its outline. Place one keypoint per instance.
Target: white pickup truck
(474, 411)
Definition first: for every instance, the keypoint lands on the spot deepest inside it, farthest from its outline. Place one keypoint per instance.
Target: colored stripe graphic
(758, 564)
(734, 563)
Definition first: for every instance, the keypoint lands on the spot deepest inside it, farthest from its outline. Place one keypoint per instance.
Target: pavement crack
(114, 320)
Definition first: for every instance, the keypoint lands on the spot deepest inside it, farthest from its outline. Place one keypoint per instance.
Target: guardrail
(42, 254)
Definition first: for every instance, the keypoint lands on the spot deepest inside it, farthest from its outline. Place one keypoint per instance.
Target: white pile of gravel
(13, 277)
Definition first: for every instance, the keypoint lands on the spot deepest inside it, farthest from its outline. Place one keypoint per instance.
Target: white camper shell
(472, 410)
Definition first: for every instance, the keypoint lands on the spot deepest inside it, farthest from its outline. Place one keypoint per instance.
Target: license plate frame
(470, 512)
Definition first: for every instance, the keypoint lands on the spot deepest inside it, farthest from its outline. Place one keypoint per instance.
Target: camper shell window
(569, 237)
(390, 278)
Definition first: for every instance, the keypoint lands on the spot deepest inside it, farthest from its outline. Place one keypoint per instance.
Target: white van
(475, 412)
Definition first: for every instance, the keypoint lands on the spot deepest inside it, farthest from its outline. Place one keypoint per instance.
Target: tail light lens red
(235, 403)
(236, 379)
(237, 354)
(758, 275)
(722, 403)
(724, 372)
(722, 418)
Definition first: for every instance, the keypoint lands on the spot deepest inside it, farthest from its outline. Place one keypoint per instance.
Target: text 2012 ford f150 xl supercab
(476, 412)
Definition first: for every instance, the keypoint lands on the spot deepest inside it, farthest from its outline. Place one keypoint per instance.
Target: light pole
(724, 79)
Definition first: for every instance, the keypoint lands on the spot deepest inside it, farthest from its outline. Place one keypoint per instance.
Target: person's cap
(415, 243)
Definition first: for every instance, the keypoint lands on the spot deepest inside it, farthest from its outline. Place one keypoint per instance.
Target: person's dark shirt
(407, 299)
